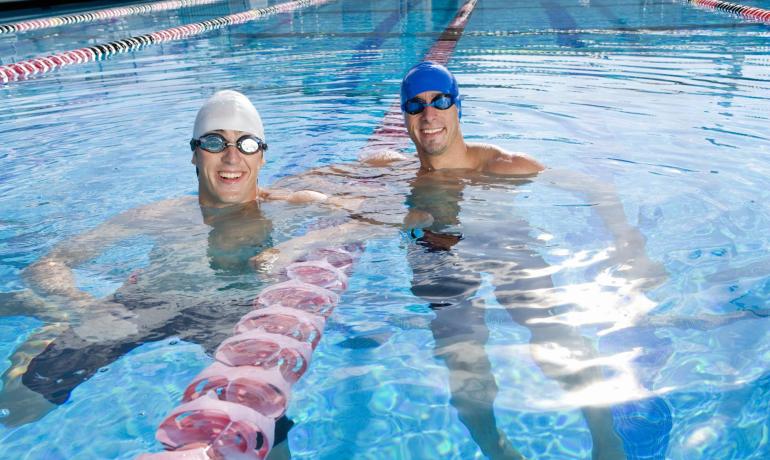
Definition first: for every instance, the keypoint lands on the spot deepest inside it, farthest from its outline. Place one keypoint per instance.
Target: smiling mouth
(430, 131)
(229, 176)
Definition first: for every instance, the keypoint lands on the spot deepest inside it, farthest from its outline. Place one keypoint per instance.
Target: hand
(634, 265)
(104, 320)
(439, 240)
(417, 219)
(272, 260)
(381, 158)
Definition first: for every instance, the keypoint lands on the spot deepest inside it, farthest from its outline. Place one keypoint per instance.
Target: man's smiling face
(433, 131)
(228, 177)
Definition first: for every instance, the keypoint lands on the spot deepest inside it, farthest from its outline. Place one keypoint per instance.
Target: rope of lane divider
(27, 68)
(751, 12)
(96, 15)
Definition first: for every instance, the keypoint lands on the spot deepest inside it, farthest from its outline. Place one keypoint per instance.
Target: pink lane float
(229, 409)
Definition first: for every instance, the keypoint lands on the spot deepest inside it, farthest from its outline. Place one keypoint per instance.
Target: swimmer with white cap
(199, 246)
(229, 148)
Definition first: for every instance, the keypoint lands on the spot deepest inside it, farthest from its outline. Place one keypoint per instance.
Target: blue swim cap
(429, 76)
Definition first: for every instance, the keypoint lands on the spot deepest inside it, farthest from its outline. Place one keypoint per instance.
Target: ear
(459, 104)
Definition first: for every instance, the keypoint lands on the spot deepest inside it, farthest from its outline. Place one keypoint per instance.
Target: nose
(231, 154)
(429, 113)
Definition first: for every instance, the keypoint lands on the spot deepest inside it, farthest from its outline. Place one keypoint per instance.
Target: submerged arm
(629, 250)
(276, 259)
(53, 275)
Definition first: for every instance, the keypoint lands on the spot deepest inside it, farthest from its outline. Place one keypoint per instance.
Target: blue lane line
(374, 41)
(376, 38)
(348, 78)
(610, 15)
(561, 19)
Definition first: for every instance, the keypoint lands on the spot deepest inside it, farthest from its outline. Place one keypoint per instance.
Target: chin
(435, 151)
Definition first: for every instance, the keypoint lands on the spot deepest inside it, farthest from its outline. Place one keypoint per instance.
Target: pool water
(665, 103)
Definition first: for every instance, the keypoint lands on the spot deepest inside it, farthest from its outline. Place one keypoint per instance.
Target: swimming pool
(665, 101)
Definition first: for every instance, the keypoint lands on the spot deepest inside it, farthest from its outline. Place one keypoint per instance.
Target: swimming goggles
(416, 105)
(215, 143)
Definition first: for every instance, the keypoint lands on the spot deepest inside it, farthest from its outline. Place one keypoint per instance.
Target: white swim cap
(228, 109)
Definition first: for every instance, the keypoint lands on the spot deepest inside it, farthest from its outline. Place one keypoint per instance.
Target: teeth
(432, 131)
(230, 175)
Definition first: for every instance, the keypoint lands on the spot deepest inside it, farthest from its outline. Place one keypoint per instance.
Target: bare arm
(382, 158)
(52, 275)
(309, 196)
(629, 251)
(278, 257)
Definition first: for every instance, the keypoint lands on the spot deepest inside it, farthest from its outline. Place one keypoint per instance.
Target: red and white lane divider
(97, 15)
(229, 409)
(391, 133)
(746, 11)
(25, 69)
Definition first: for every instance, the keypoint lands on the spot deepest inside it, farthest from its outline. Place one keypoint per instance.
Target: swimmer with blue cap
(431, 103)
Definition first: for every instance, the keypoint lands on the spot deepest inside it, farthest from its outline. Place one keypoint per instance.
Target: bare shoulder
(496, 160)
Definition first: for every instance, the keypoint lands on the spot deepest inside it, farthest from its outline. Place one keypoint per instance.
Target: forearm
(603, 198)
(628, 242)
(277, 258)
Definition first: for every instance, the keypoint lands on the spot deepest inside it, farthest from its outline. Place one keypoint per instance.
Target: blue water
(666, 102)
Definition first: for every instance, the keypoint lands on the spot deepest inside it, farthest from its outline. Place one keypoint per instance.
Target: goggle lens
(249, 145)
(212, 143)
(416, 105)
(216, 143)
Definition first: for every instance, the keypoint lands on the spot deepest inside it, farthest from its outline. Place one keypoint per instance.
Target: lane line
(498, 33)
(27, 68)
(560, 19)
(98, 15)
